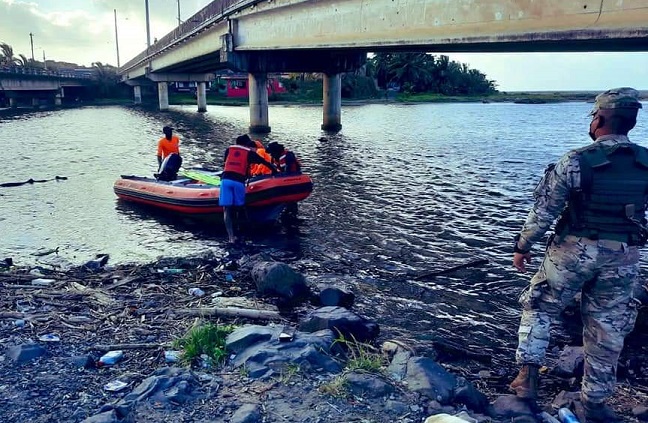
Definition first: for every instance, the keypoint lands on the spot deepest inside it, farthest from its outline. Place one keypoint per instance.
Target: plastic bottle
(229, 277)
(196, 292)
(111, 357)
(566, 416)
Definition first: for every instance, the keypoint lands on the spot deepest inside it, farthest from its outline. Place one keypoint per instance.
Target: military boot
(598, 412)
(525, 384)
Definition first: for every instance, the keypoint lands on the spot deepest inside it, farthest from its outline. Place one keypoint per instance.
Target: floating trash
(111, 357)
(172, 356)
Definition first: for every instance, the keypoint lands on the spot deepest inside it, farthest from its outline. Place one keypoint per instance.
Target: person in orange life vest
(238, 159)
(167, 145)
(259, 169)
(284, 159)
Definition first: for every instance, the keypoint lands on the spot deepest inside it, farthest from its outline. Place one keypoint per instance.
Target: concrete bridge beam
(201, 94)
(180, 77)
(163, 95)
(258, 93)
(332, 102)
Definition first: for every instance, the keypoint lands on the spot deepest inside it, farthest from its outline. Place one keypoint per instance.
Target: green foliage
(207, 339)
(288, 372)
(361, 356)
(337, 388)
(422, 72)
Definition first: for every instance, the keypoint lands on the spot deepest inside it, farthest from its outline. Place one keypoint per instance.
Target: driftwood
(113, 347)
(474, 263)
(229, 312)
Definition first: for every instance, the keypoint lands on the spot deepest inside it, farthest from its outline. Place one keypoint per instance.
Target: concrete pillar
(332, 102)
(57, 99)
(35, 102)
(258, 92)
(163, 95)
(201, 94)
(13, 102)
(137, 93)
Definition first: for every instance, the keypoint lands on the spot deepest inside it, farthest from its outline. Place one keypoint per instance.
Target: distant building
(236, 85)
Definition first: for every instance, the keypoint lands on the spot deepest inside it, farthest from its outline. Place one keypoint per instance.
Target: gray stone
(570, 362)
(396, 407)
(641, 412)
(105, 417)
(279, 279)
(268, 357)
(25, 352)
(247, 336)
(398, 366)
(340, 320)
(367, 385)
(426, 377)
(330, 295)
(82, 361)
(247, 413)
(509, 407)
(564, 399)
(466, 393)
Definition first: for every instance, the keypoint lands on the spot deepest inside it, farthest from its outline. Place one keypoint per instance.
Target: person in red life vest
(259, 169)
(288, 164)
(284, 159)
(238, 159)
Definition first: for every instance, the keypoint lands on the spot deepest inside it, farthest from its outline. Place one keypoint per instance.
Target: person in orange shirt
(260, 169)
(168, 155)
(168, 144)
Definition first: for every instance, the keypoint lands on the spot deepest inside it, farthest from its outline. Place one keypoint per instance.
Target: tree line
(423, 72)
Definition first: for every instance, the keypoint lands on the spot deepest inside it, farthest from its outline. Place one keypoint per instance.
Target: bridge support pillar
(58, 98)
(137, 94)
(35, 102)
(258, 92)
(201, 94)
(13, 102)
(163, 95)
(332, 102)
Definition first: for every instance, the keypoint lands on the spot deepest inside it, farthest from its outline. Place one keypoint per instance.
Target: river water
(402, 189)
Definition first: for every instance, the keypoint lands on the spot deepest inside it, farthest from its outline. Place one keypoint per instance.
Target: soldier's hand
(519, 259)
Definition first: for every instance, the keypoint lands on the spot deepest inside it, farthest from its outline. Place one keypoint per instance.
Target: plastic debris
(19, 323)
(229, 277)
(566, 416)
(111, 357)
(196, 292)
(172, 356)
(42, 282)
(115, 386)
(548, 418)
(49, 337)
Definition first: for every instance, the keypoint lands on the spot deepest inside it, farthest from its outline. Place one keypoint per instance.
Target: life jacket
(611, 202)
(237, 160)
(295, 167)
(258, 168)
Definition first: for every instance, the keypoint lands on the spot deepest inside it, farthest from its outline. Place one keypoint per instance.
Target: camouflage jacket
(552, 192)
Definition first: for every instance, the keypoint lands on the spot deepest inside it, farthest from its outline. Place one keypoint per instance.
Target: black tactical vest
(611, 202)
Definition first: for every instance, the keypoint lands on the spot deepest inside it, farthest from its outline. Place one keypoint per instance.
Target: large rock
(279, 279)
(341, 321)
(25, 352)
(510, 407)
(466, 393)
(428, 378)
(263, 354)
(367, 385)
(330, 295)
(247, 413)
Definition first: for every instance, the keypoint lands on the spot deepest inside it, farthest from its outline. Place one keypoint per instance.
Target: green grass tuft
(207, 339)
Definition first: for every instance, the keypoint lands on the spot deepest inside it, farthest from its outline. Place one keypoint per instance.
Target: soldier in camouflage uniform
(600, 193)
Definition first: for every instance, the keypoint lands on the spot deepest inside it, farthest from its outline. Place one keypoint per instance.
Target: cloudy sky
(83, 31)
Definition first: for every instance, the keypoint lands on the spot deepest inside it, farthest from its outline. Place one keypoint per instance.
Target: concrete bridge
(35, 84)
(334, 36)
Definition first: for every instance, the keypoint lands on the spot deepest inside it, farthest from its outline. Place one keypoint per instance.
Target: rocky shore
(293, 349)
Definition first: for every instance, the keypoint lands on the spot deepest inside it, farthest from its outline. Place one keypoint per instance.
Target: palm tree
(22, 60)
(7, 55)
(413, 69)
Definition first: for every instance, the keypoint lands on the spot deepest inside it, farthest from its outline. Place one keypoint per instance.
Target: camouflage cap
(617, 98)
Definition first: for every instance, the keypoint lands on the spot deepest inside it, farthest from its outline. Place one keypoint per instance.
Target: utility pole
(148, 26)
(44, 61)
(116, 38)
(179, 21)
(31, 40)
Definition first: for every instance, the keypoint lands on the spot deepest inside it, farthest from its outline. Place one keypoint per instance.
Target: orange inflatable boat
(196, 193)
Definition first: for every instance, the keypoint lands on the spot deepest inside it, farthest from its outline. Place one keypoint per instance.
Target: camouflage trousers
(605, 272)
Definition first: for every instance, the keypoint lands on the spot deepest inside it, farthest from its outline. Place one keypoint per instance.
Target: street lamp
(148, 26)
(116, 38)
(179, 21)
(31, 40)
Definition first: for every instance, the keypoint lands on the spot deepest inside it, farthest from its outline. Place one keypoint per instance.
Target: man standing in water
(238, 159)
(600, 193)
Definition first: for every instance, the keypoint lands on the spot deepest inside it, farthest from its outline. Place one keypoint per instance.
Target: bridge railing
(211, 13)
(59, 73)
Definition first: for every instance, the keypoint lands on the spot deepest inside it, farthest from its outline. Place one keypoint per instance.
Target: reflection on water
(401, 190)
